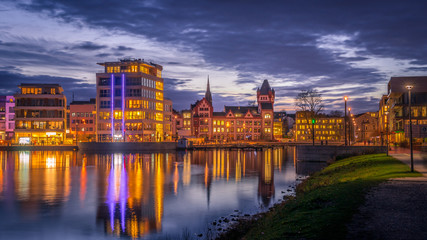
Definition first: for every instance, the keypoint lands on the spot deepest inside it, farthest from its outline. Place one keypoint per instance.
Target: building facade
(398, 105)
(129, 102)
(7, 117)
(235, 122)
(326, 128)
(40, 114)
(83, 120)
(367, 128)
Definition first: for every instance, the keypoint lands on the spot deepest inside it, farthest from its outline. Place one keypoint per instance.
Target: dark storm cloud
(82, 90)
(88, 46)
(123, 48)
(270, 37)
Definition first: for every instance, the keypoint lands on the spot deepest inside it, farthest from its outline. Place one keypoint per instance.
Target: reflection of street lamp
(409, 87)
(77, 129)
(345, 120)
(386, 113)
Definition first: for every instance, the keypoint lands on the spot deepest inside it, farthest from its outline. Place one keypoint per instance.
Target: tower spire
(208, 94)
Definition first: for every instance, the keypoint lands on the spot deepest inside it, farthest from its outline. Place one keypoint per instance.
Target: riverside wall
(126, 146)
(307, 153)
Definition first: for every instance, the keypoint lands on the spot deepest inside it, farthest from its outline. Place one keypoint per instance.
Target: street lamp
(345, 119)
(386, 113)
(349, 126)
(409, 87)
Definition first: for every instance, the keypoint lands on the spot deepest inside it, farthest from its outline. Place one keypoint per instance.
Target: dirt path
(396, 209)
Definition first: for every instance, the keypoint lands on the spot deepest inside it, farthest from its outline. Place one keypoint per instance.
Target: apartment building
(40, 114)
(130, 104)
(7, 117)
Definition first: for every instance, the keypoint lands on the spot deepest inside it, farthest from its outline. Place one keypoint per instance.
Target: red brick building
(235, 122)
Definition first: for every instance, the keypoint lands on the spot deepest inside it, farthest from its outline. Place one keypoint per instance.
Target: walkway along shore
(327, 203)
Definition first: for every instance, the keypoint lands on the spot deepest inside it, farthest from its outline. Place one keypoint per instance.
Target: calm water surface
(67, 195)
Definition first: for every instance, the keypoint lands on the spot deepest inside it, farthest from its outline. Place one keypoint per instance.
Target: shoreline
(324, 203)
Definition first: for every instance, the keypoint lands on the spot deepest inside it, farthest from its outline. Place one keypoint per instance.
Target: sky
(337, 47)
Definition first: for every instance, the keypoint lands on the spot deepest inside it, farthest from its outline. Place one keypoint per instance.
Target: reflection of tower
(208, 176)
(266, 177)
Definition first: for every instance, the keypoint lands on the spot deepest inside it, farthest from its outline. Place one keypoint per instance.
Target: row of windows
(27, 90)
(324, 121)
(132, 82)
(39, 125)
(82, 129)
(81, 114)
(82, 121)
(318, 132)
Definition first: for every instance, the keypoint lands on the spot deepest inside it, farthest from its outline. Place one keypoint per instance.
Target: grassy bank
(325, 202)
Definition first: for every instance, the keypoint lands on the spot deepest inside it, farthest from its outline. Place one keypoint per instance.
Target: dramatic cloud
(337, 47)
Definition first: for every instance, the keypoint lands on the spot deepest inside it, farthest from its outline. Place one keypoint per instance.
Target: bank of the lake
(325, 202)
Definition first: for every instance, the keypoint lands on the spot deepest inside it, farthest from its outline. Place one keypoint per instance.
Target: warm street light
(386, 113)
(409, 87)
(345, 120)
(349, 126)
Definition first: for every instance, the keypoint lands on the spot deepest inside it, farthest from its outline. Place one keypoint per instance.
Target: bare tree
(311, 104)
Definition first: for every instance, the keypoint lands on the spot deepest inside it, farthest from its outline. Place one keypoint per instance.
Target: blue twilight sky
(338, 47)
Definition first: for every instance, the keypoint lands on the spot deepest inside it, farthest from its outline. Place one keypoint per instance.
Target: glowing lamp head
(349, 109)
(345, 98)
(409, 87)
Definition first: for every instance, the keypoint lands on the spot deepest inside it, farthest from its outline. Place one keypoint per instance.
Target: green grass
(325, 202)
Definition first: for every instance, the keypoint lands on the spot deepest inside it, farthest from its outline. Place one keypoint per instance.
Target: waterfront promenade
(395, 209)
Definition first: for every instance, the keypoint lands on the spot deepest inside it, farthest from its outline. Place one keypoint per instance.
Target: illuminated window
(267, 116)
(159, 96)
(159, 73)
(159, 116)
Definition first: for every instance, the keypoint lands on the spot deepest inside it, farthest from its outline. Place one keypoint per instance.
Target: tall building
(7, 117)
(235, 122)
(83, 120)
(40, 114)
(398, 105)
(129, 102)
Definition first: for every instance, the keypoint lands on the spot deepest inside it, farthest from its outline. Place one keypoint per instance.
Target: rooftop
(129, 61)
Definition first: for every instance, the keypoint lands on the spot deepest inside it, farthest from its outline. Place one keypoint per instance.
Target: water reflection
(136, 195)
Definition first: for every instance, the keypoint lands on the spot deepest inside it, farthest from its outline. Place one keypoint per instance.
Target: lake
(69, 195)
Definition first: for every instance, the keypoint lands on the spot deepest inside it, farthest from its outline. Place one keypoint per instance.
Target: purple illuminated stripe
(112, 107)
(123, 107)
(110, 194)
(123, 194)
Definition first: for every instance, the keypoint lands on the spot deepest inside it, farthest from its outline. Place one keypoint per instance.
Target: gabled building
(235, 122)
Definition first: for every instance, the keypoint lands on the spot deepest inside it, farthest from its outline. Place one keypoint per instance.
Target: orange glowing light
(345, 98)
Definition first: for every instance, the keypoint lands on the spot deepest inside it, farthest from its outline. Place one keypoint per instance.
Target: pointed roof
(265, 88)
(208, 94)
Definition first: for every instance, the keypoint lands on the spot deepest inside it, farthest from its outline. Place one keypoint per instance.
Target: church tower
(208, 94)
(265, 99)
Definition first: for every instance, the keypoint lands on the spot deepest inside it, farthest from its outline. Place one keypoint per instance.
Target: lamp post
(345, 120)
(409, 87)
(386, 113)
(349, 126)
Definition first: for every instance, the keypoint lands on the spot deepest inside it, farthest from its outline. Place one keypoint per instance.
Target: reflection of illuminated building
(266, 177)
(134, 194)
